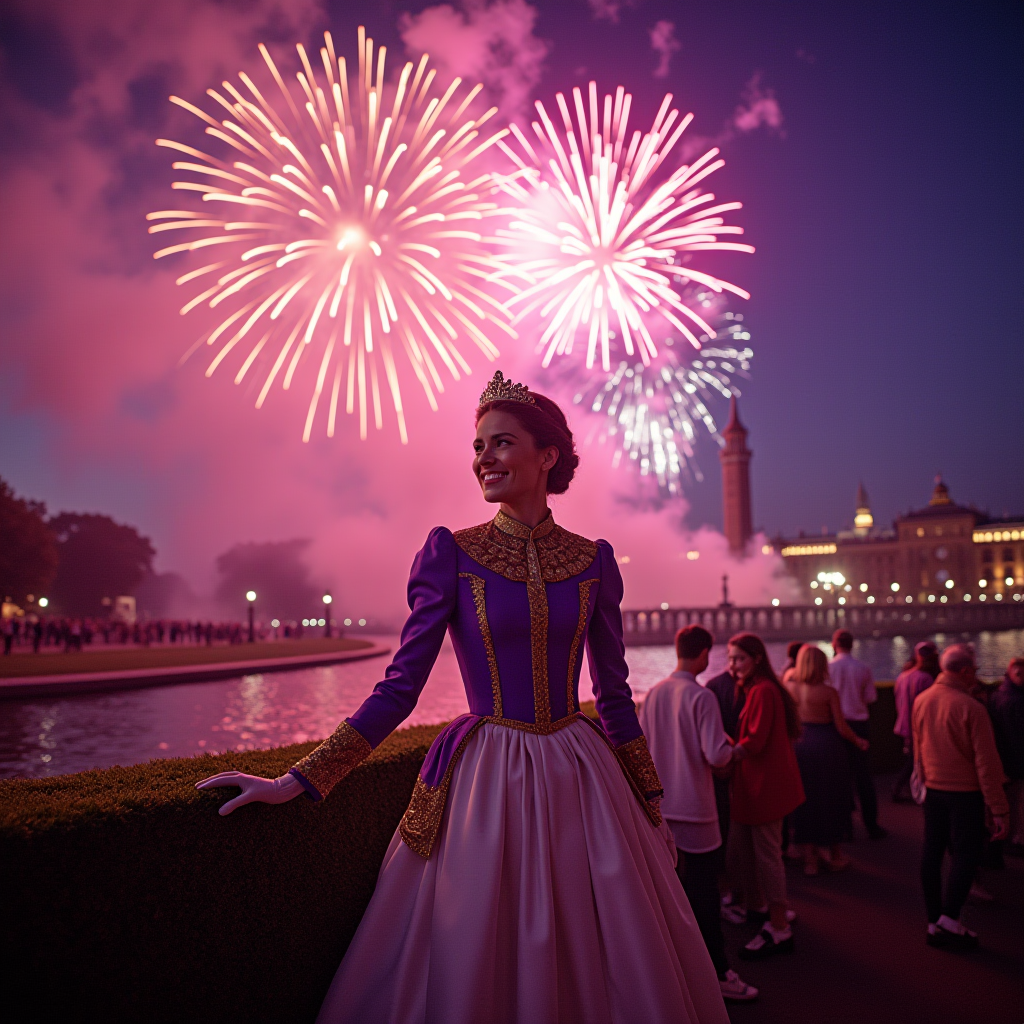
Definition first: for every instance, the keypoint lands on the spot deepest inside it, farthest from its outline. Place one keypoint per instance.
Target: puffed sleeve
(432, 594)
(606, 653)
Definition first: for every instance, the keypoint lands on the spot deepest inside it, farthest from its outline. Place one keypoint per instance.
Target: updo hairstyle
(546, 424)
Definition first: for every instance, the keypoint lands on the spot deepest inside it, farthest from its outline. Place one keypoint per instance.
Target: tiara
(501, 390)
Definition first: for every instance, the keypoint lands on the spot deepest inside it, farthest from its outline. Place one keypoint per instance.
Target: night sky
(885, 206)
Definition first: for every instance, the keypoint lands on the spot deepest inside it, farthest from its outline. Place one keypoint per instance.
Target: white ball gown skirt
(549, 898)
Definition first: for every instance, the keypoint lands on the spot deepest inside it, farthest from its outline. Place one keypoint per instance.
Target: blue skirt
(824, 818)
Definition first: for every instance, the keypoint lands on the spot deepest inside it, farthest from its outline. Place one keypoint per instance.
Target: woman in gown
(823, 820)
(531, 878)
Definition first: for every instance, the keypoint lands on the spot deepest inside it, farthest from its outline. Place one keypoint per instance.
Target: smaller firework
(654, 414)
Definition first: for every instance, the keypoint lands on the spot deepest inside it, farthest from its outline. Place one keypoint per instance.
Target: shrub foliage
(126, 897)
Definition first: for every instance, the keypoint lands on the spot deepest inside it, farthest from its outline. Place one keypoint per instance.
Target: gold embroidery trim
(422, 819)
(636, 761)
(537, 593)
(500, 546)
(581, 626)
(478, 586)
(326, 766)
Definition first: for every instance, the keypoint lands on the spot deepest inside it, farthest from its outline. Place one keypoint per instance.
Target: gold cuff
(326, 766)
(638, 765)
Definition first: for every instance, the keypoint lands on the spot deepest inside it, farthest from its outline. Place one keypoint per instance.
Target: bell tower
(735, 456)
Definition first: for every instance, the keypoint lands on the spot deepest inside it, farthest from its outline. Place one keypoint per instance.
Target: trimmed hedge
(126, 897)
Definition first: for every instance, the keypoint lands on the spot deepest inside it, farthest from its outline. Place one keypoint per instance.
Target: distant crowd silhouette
(52, 633)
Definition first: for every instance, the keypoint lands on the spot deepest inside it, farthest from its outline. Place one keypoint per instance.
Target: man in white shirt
(851, 678)
(683, 725)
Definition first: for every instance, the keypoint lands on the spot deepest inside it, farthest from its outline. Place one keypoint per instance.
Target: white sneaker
(736, 989)
(734, 914)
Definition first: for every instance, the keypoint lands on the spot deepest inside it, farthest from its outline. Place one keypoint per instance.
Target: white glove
(267, 791)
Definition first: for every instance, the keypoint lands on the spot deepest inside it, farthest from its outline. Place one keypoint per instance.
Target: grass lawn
(115, 659)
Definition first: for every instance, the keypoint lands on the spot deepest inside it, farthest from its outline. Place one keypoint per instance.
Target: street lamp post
(250, 596)
(327, 614)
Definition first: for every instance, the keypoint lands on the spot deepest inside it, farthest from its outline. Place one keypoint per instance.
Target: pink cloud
(609, 10)
(93, 337)
(489, 42)
(758, 108)
(664, 43)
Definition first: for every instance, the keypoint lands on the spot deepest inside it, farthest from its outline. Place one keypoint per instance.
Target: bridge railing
(817, 622)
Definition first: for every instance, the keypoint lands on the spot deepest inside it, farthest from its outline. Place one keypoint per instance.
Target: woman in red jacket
(766, 787)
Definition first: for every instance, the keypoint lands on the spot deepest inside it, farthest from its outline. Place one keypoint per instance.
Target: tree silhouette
(28, 550)
(98, 558)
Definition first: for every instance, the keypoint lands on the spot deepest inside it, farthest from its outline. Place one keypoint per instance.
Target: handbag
(918, 790)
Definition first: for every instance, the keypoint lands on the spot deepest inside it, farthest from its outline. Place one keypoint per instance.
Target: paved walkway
(860, 948)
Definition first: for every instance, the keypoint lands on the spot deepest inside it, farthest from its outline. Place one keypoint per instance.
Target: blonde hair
(811, 665)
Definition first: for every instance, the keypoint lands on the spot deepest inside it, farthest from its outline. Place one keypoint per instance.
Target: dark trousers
(901, 787)
(953, 821)
(863, 780)
(699, 874)
(723, 804)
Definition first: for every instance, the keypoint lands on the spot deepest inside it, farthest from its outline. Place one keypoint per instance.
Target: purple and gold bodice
(519, 605)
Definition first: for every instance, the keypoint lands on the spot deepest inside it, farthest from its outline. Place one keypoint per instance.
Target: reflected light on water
(42, 738)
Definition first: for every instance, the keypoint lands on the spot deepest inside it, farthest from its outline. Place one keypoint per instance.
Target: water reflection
(42, 738)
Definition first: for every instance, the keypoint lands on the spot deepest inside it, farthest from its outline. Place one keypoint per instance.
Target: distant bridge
(817, 622)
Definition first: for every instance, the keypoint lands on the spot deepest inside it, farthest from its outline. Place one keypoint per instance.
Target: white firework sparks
(604, 233)
(653, 415)
(358, 232)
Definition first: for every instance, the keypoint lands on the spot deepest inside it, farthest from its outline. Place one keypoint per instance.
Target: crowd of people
(38, 633)
(759, 768)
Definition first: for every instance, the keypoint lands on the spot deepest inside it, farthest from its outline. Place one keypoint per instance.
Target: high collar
(514, 528)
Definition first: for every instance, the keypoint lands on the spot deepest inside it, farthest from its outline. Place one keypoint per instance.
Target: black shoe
(953, 941)
(877, 832)
(764, 945)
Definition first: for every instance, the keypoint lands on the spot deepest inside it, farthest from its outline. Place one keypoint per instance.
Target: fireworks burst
(358, 234)
(653, 415)
(604, 236)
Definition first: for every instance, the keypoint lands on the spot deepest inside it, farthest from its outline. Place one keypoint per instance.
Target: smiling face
(741, 664)
(508, 464)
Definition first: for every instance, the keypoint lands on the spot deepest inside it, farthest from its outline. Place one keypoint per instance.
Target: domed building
(937, 554)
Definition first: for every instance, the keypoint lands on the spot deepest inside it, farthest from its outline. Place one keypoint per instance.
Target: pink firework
(605, 229)
(350, 246)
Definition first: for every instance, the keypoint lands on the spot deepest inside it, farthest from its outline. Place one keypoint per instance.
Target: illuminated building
(938, 554)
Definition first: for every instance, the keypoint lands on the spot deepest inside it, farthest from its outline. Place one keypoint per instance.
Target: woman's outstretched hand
(267, 791)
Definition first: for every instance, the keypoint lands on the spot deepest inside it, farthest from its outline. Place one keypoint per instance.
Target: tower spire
(735, 456)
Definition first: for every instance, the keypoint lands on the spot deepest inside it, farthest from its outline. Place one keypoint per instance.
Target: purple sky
(885, 206)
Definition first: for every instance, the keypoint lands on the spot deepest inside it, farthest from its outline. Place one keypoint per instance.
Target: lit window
(691, 555)
(1009, 581)
(766, 549)
(982, 583)
(920, 531)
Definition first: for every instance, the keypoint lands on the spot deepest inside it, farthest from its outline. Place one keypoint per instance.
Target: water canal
(40, 738)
